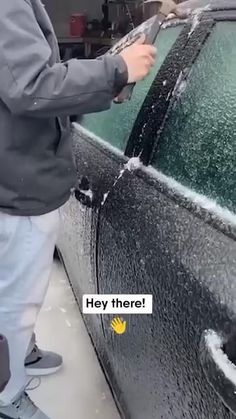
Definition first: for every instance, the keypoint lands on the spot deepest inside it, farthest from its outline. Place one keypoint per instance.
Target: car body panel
(148, 243)
(143, 232)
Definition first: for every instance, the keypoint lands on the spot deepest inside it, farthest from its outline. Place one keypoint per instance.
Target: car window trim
(154, 178)
(209, 217)
(149, 124)
(192, 51)
(135, 143)
(222, 15)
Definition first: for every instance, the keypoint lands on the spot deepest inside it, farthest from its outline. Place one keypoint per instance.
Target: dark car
(165, 224)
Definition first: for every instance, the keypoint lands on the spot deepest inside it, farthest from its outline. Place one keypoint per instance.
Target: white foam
(133, 164)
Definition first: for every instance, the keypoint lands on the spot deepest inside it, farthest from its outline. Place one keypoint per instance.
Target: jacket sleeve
(30, 86)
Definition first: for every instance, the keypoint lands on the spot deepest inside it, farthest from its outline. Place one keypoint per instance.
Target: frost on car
(166, 227)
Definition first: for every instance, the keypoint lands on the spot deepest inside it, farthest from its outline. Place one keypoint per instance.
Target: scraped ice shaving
(215, 343)
(120, 175)
(105, 196)
(180, 85)
(133, 164)
(198, 199)
(166, 24)
(168, 97)
(178, 82)
(181, 88)
(195, 23)
(196, 15)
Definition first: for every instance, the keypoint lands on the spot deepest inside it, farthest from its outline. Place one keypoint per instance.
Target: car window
(197, 146)
(115, 125)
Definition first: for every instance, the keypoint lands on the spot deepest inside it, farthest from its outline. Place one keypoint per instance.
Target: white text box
(117, 304)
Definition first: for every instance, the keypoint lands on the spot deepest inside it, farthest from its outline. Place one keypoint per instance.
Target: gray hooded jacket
(37, 94)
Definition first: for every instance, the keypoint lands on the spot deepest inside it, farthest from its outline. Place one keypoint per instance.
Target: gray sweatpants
(26, 257)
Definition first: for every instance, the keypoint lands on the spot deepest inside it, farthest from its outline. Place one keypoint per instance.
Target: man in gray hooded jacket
(37, 94)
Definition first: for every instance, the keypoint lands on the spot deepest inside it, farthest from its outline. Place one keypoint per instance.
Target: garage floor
(79, 391)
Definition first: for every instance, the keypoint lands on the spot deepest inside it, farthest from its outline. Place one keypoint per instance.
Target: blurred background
(87, 28)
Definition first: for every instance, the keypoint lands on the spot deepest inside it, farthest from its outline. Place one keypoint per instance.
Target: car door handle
(83, 193)
(84, 197)
(219, 369)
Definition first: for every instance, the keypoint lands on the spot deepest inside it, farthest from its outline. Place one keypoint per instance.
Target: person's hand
(139, 58)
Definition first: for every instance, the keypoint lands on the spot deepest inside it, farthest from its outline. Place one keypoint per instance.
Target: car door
(169, 229)
(99, 142)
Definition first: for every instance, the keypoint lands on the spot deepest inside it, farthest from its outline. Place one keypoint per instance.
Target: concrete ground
(79, 390)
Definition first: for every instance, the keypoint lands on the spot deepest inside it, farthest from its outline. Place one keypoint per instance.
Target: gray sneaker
(42, 362)
(22, 408)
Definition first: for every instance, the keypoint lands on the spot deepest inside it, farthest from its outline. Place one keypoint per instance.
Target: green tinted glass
(115, 125)
(198, 143)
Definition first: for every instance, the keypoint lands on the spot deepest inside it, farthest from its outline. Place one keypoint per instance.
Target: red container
(77, 25)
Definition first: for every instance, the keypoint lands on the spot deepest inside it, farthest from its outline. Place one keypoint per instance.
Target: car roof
(187, 7)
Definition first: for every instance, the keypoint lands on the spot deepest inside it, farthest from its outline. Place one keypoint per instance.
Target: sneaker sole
(42, 371)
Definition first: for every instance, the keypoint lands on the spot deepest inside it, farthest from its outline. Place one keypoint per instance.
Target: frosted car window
(198, 144)
(115, 125)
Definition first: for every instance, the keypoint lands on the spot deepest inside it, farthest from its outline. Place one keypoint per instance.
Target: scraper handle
(126, 94)
(150, 33)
